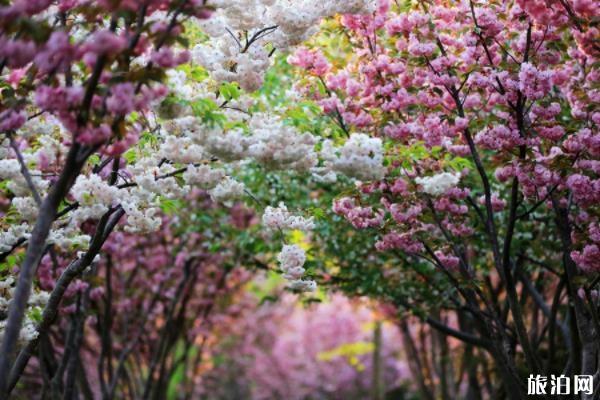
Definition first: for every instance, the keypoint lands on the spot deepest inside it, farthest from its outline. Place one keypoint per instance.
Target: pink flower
(583, 189)
(166, 58)
(58, 98)
(399, 187)
(15, 76)
(149, 94)
(24, 7)
(449, 262)
(504, 173)
(587, 260)
(534, 83)
(588, 8)
(399, 24)
(104, 42)
(96, 293)
(66, 5)
(497, 203)
(17, 53)
(94, 135)
(499, 137)
(312, 60)
(122, 99)
(552, 133)
(404, 216)
(11, 120)
(488, 20)
(331, 105)
(359, 217)
(404, 241)
(121, 146)
(58, 53)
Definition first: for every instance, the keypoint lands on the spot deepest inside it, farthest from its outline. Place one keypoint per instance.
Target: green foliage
(35, 314)
(349, 351)
(194, 72)
(229, 91)
(208, 111)
(171, 206)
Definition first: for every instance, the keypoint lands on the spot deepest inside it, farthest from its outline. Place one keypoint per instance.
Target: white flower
(38, 127)
(9, 169)
(84, 213)
(69, 238)
(152, 179)
(438, 184)
(291, 256)
(224, 60)
(28, 331)
(291, 260)
(226, 56)
(7, 283)
(323, 175)
(361, 157)
(181, 150)
(141, 220)
(90, 190)
(26, 206)
(227, 190)
(294, 273)
(203, 176)
(278, 146)
(229, 146)
(11, 236)
(179, 85)
(39, 299)
(303, 285)
(280, 218)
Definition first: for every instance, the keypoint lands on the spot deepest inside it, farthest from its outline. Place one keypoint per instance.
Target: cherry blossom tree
(472, 130)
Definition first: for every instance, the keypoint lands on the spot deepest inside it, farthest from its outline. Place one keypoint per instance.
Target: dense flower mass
(330, 345)
(360, 157)
(438, 184)
(241, 32)
(488, 116)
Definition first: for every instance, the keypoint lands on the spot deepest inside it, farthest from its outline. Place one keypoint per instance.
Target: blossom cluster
(35, 305)
(292, 257)
(245, 33)
(280, 218)
(457, 82)
(438, 184)
(360, 157)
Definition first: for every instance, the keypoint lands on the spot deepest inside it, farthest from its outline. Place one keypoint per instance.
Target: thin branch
(25, 171)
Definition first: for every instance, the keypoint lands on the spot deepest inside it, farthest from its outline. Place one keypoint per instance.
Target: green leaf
(170, 206)
(230, 91)
(129, 156)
